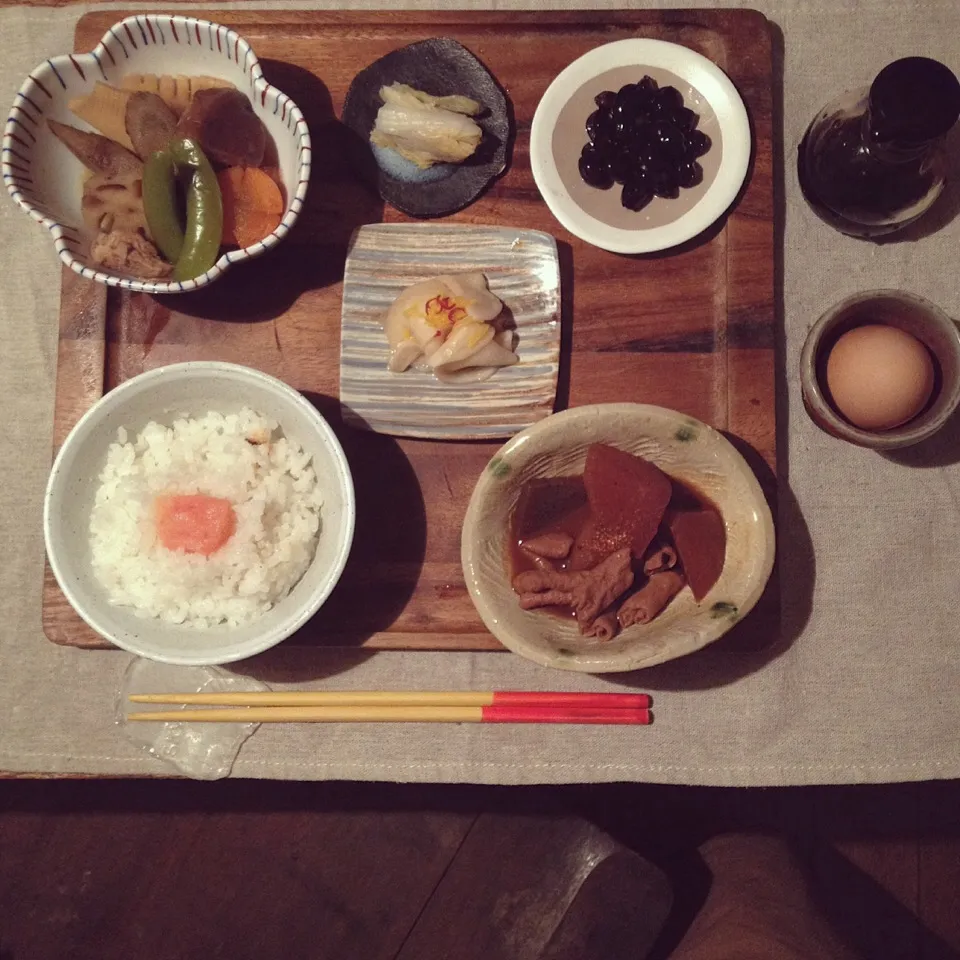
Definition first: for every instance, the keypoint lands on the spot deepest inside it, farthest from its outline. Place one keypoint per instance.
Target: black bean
(643, 137)
(643, 147)
(606, 151)
(622, 165)
(648, 85)
(644, 100)
(685, 119)
(597, 124)
(601, 150)
(594, 169)
(639, 182)
(629, 100)
(636, 196)
(670, 99)
(649, 166)
(605, 100)
(665, 185)
(670, 140)
(622, 129)
(642, 123)
(690, 174)
(605, 142)
(698, 143)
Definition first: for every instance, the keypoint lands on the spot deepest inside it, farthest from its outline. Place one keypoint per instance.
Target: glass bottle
(873, 160)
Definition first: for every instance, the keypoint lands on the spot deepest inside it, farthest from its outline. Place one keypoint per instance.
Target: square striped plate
(522, 269)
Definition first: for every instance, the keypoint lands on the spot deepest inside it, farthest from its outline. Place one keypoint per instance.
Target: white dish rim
(702, 73)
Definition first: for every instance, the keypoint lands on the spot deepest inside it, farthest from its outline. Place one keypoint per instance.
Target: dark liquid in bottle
(853, 190)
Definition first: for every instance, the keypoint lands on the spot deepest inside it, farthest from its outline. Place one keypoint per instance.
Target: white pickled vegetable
(490, 355)
(401, 95)
(403, 355)
(465, 340)
(447, 322)
(472, 290)
(483, 364)
(426, 129)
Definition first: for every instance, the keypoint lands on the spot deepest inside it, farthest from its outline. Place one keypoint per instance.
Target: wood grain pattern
(511, 889)
(693, 328)
(358, 870)
(348, 884)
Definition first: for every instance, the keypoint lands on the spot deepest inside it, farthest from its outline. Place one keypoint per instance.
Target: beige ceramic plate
(683, 447)
(522, 269)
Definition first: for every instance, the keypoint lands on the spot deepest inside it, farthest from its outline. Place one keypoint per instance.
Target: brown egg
(879, 377)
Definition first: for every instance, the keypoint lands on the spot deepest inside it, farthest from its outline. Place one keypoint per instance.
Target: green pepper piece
(204, 228)
(160, 204)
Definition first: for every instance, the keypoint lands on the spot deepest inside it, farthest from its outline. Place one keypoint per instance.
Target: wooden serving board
(693, 328)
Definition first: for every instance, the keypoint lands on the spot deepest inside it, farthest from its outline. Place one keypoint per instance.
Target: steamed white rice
(242, 457)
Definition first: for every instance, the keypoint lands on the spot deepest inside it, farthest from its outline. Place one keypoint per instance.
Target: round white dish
(45, 179)
(161, 395)
(706, 89)
(684, 448)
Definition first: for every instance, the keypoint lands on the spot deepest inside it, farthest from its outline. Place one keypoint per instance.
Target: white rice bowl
(164, 395)
(242, 457)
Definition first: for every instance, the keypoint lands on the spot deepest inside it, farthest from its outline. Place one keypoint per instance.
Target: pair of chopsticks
(381, 706)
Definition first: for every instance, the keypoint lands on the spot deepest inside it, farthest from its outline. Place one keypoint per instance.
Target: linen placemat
(864, 687)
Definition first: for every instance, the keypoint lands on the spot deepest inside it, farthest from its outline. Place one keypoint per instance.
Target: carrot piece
(231, 188)
(274, 174)
(194, 523)
(252, 205)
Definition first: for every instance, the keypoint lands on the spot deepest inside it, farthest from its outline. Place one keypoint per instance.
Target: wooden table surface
(260, 870)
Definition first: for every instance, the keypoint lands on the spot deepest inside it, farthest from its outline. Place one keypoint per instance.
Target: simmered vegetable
(223, 123)
(200, 241)
(114, 203)
(96, 153)
(160, 204)
(252, 205)
(153, 207)
(149, 122)
(129, 253)
(204, 213)
(105, 109)
(175, 91)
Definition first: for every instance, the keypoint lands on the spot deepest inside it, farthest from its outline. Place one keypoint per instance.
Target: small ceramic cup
(925, 321)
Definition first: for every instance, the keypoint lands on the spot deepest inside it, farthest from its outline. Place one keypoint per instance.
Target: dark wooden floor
(242, 869)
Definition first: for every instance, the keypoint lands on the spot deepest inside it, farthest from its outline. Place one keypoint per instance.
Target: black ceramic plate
(439, 66)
